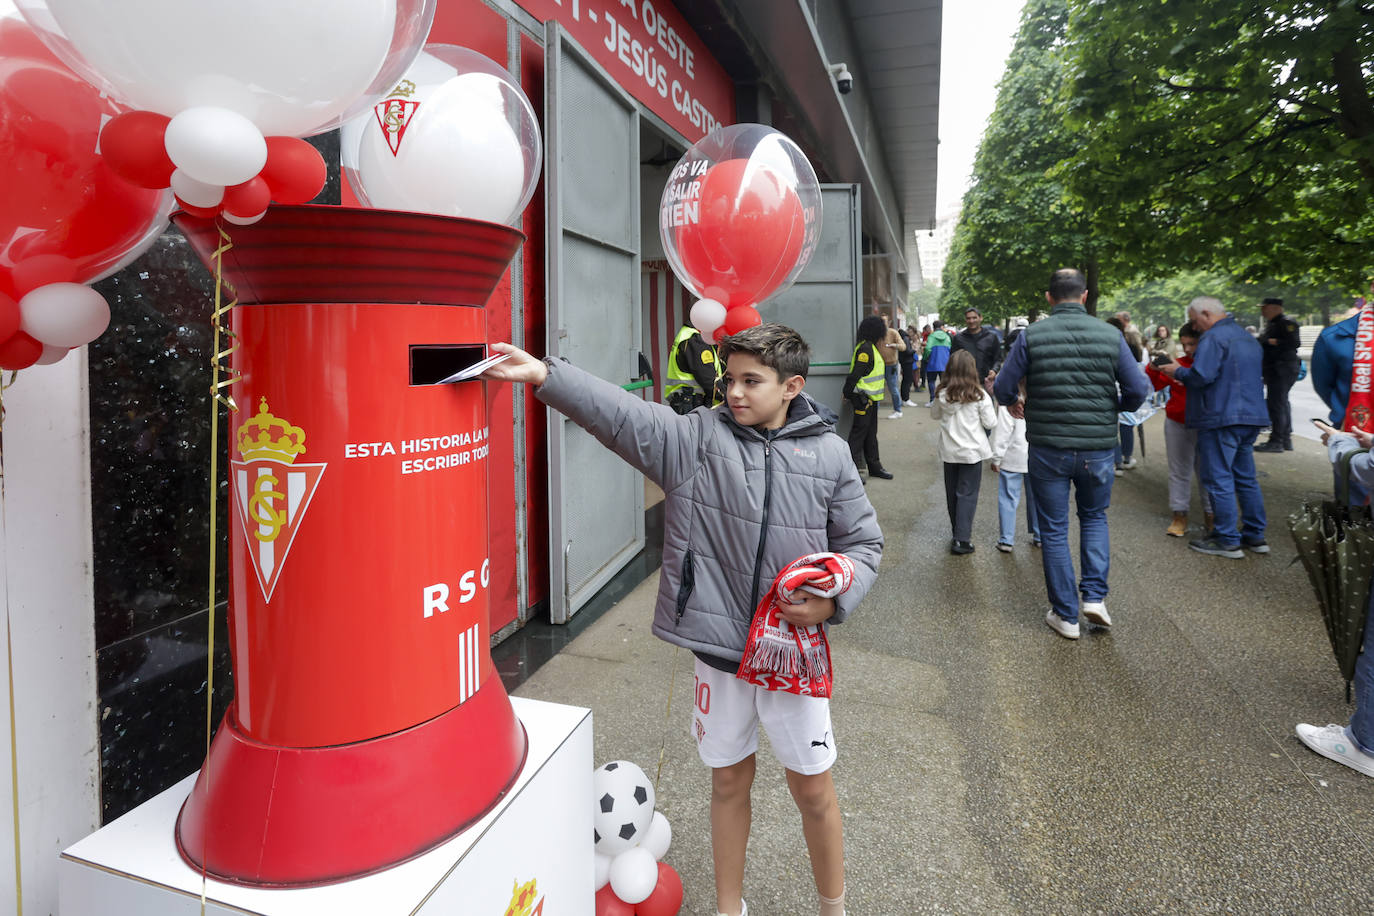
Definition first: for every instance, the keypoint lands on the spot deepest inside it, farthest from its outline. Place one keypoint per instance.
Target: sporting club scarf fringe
(780, 656)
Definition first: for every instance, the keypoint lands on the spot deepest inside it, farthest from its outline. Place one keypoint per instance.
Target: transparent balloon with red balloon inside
(739, 219)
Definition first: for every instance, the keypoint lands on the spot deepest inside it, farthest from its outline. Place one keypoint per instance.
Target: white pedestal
(541, 831)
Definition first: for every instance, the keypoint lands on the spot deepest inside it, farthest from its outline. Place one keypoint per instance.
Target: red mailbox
(368, 723)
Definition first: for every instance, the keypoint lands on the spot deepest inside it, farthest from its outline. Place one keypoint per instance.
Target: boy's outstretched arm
(519, 366)
(651, 437)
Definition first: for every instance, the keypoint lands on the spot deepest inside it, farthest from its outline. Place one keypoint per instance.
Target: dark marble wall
(150, 464)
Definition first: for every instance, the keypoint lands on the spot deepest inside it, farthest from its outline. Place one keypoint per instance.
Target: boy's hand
(520, 367)
(807, 610)
(1365, 439)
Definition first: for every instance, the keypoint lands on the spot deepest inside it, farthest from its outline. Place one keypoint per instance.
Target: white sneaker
(1061, 626)
(910, 403)
(743, 909)
(1096, 612)
(1130, 463)
(895, 415)
(1119, 473)
(1334, 741)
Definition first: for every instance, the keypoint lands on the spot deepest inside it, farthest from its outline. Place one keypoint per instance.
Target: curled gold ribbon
(222, 375)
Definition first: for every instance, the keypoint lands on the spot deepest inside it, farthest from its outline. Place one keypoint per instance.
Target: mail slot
(368, 723)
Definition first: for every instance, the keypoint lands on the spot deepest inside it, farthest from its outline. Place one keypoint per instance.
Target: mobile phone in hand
(1162, 359)
(1324, 426)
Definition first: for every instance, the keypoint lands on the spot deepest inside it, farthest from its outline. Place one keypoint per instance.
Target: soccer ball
(624, 806)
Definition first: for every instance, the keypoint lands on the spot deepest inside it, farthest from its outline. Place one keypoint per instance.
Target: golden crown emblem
(522, 899)
(266, 436)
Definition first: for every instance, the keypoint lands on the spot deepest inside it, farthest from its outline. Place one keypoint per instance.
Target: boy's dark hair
(775, 345)
(1189, 330)
(1067, 284)
(872, 329)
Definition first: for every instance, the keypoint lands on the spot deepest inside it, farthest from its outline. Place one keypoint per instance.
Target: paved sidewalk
(989, 766)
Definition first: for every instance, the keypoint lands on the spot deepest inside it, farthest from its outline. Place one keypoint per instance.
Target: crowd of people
(1056, 409)
(1049, 410)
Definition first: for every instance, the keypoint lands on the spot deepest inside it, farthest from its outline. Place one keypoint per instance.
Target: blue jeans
(1125, 443)
(894, 385)
(1226, 464)
(1051, 471)
(1009, 489)
(1362, 721)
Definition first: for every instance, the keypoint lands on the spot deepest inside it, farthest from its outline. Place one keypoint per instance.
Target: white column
(47, 634)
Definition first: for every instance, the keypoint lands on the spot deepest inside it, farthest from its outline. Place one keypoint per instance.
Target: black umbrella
(1335, 542)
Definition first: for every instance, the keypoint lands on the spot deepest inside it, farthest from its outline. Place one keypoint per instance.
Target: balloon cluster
(457, 136)
(631, 839)
(66, 218)
(739, 219)
(218, 93)
(154, 151)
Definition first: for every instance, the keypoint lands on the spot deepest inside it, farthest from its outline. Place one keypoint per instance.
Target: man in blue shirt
(1226, 407)
(1333, 358)
(1073, 365)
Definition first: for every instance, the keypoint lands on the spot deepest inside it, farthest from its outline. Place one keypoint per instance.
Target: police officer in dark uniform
(692, 372)
(1280, 340)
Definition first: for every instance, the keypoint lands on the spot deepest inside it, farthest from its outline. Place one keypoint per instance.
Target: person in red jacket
(1179, 441)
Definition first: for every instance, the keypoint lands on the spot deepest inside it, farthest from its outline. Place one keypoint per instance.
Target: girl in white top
(1010, 455)
(965, 412)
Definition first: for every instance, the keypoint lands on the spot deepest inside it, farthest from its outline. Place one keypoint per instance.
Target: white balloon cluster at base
(631, 837)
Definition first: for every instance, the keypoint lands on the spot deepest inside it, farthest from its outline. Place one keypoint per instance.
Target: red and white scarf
(1359, 407)
(780, 656)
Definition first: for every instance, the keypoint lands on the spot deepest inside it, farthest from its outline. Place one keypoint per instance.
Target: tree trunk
(1090, 274)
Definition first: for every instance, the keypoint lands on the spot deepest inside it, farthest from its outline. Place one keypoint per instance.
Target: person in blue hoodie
(1226, 406)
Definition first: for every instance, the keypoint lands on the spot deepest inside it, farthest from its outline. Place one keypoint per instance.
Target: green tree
(1017, 224)
(1236, 134)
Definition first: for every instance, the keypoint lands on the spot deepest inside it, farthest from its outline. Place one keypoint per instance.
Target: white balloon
(634, 874)
(457, 137)
(706, 315)
(194, 192)
(242, 220)
(602, 870)
(63, 314)
(457, 157)
(290, 67)
(215, 146)
(658, 837)
(51, 355)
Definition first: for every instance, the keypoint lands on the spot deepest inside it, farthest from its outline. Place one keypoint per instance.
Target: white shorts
(726, 713)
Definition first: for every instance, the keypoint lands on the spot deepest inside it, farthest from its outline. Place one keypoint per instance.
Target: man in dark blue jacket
(1226, 406)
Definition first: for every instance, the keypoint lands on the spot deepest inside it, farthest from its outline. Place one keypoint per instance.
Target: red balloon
(719, 334)
(295, 171)
(9, 317)
(40, 270)
(737, 319)
(59, 196)
(132, 144)
(247, 199)
(608, 904)
(17, 39)
(19, 352)
(666, 900)
(202, 212)
(747, 236)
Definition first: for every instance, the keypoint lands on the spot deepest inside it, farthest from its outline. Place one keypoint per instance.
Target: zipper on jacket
(684, 589)
(763, 529)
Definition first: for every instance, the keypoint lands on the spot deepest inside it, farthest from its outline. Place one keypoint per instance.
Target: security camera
(844, 80)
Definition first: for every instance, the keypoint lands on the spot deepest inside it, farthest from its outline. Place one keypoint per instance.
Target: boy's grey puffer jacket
(739, 506)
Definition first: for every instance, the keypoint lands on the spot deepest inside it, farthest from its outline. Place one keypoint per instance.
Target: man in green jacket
(1074, 365)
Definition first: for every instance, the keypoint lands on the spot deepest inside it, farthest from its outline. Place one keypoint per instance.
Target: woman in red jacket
(1179, 441)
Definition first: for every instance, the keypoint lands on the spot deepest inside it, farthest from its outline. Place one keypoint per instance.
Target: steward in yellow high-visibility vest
(863, 388)
(692, 372)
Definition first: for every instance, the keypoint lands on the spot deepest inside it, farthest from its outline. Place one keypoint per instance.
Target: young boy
(750, 486)
(1180, 442)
